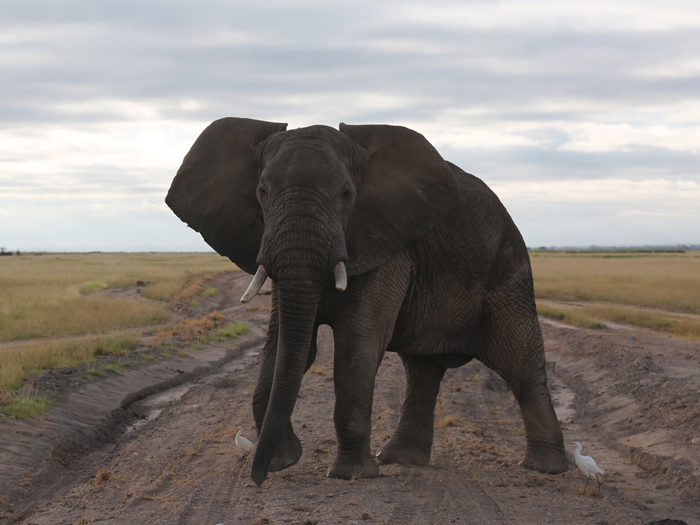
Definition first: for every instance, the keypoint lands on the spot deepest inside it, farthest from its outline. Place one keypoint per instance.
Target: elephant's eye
(262, 191)
(346, 194)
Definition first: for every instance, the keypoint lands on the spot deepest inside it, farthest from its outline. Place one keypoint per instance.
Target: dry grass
(644, 288)
(79, 315)
(449, 421)
(191, 329)
(663, 280)
(572, 317)
(194, 287)
(102, 477)
(592, 489)
(653, 320)
(52, 295)
(687, 329)
(595, 316)
(18, 364)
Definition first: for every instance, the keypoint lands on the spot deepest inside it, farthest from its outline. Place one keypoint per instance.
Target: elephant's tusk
(341, 277)
(255, 284)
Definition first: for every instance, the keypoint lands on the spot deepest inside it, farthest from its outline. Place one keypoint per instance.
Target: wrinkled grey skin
(437, 272)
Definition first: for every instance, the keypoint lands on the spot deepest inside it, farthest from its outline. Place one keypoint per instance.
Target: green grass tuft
(26, 407)
(232, 331)
(89, 288)
(94, 371)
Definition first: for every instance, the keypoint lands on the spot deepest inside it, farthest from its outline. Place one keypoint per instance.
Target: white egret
(586, 464)
(242, 442)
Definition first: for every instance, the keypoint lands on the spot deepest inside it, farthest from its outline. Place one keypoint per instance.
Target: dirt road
(632, 398)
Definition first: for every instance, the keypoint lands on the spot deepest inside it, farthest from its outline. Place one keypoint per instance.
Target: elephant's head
(302, 206)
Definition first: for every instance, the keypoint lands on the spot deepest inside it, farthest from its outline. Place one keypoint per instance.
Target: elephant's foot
(404, 453)
(287, 454)
(548, 460)
(347, 466)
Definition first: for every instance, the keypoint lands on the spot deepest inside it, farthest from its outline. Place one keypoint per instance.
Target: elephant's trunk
(297, 315)
(300, 272)
(300, 250)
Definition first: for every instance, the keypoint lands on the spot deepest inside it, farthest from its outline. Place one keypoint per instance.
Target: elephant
(367, 229)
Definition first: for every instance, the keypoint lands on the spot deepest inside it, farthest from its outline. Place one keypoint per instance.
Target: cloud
(603, 190)
(604, 212)
(590, 102)
(49, 152)
(592, 137)
(544, 16)
(646, 213)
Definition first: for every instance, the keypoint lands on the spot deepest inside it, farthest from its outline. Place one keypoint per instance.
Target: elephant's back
(487, 226)
(479, 241)
(458, 268)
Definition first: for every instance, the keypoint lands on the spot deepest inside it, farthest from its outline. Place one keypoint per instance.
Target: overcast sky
(584, 117)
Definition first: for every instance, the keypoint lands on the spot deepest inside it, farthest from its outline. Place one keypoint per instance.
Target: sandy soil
(158, 446)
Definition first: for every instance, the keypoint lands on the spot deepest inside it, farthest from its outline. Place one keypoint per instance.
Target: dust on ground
(167, 455)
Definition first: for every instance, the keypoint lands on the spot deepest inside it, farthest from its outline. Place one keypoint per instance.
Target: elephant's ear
(405, 189)
(214, 189)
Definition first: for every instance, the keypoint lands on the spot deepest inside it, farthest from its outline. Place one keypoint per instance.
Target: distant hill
(647, 248)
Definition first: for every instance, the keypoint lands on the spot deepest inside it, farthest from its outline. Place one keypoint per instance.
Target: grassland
(60, 301)
(55, 295)
(638, 288)
(54, 312)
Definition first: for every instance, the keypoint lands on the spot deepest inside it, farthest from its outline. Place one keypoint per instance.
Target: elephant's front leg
(412, 440)
(354, 390)
(362, 333)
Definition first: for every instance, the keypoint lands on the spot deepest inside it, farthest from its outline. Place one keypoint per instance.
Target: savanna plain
(123, 377)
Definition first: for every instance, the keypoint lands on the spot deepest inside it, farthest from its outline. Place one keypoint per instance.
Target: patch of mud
(635, 411)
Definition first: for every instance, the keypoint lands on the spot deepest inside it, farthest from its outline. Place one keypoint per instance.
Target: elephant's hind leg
(412, 440)
(518, 357)
(545, 444)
